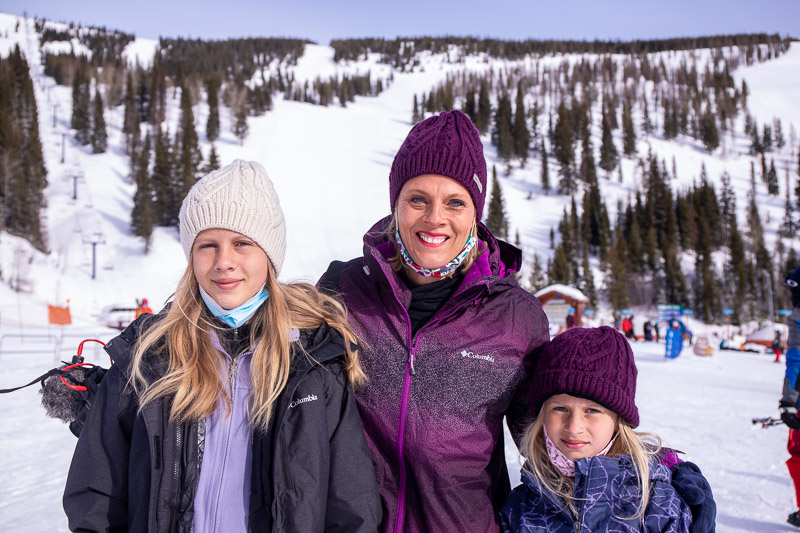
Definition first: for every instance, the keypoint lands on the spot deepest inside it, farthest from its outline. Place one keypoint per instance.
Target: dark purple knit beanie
(592, 363)
(447, 144)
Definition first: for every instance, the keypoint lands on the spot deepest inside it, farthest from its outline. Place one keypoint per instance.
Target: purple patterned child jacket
(434, 404)
(608, 493)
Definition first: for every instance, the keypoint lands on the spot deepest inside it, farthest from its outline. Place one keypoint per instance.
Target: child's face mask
(578, 427)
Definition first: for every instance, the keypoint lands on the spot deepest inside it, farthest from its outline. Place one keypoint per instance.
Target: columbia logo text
(473, 355)
(309, 398)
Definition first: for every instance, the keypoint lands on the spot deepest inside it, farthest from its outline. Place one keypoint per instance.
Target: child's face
(578, 427)
(230, 267)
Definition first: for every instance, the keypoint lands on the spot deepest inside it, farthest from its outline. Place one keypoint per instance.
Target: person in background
(571, 321)
(648, 331)
(791, 385)
(673, 340)
(231, 409)
(586, 468)
(627, 327)
(142, 307)
(450, 338)
(777, 346)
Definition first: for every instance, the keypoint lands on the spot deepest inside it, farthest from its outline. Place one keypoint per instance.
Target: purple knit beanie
(447, 144)
(592, 363)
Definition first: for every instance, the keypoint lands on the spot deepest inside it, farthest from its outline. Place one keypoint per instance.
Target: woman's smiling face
(435, 216)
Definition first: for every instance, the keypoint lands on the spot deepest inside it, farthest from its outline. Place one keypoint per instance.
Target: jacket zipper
(406, 393)
(176, 472)
(227, 431)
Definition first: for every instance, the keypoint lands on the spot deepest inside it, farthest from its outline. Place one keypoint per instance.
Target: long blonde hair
(641, 447)
(192, 376)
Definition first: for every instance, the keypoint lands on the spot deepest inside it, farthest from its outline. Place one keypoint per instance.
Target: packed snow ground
(330, 167)
(700, 405)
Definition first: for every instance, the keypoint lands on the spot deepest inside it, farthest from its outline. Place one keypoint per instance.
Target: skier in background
(788, 402)
(142, 307)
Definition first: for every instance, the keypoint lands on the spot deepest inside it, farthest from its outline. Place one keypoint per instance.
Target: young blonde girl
(231, 409)
(587, 469)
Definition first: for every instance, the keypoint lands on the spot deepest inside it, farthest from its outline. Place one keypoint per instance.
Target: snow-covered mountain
(330, 167)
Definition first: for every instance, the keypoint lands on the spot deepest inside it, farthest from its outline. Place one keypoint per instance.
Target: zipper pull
(411, 364)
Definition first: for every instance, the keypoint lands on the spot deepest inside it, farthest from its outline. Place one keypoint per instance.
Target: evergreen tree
(502, 136)
(563, 150)
(80, 107)
(239, 102)
(213, 161)
(130, 112)
(780, 141)
(99, 135)
(535, 121)
(705, 298)
(142, 216)
(797, 187)
(189, 156)
(522, 137)
(647, 125)
(484, 108)
(537, 278)
(470, 108)
(772, 180)
(22, 170)
(587, 278)
(559, 268)
(608, 150)
(628, 131)
(709, 133)
(617, 275)
(766, 138)
(588, 171)
(737, 269)
(545, 175)
(756, 146)
(165, 204)
(415, 114)
(496, 219)
(212, 124)
(788, 228)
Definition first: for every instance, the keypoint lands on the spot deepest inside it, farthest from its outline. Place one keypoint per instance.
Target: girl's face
(578, 427)
(230, 267)
(435, 215)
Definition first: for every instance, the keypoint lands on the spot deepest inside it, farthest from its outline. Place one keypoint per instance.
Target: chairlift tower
(94, 239)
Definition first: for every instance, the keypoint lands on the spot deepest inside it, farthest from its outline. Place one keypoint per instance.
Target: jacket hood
(320, 345)
(501, 260)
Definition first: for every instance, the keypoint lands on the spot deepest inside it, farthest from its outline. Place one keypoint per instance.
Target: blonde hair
(641, 447)
(192, 377)
(396, 261)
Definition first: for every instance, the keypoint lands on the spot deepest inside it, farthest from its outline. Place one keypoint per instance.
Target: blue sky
(321, 20)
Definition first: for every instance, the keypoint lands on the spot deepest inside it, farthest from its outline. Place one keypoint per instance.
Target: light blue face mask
(239, 315)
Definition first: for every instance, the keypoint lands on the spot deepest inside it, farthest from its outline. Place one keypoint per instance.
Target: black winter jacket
(134, 471)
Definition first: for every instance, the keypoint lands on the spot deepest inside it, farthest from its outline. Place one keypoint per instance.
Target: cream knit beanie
(239, 197)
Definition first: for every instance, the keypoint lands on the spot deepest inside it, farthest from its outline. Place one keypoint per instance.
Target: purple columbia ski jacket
(434, 404)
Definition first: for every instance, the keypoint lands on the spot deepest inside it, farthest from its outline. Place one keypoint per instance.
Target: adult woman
(230, 410)
(449, 337)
